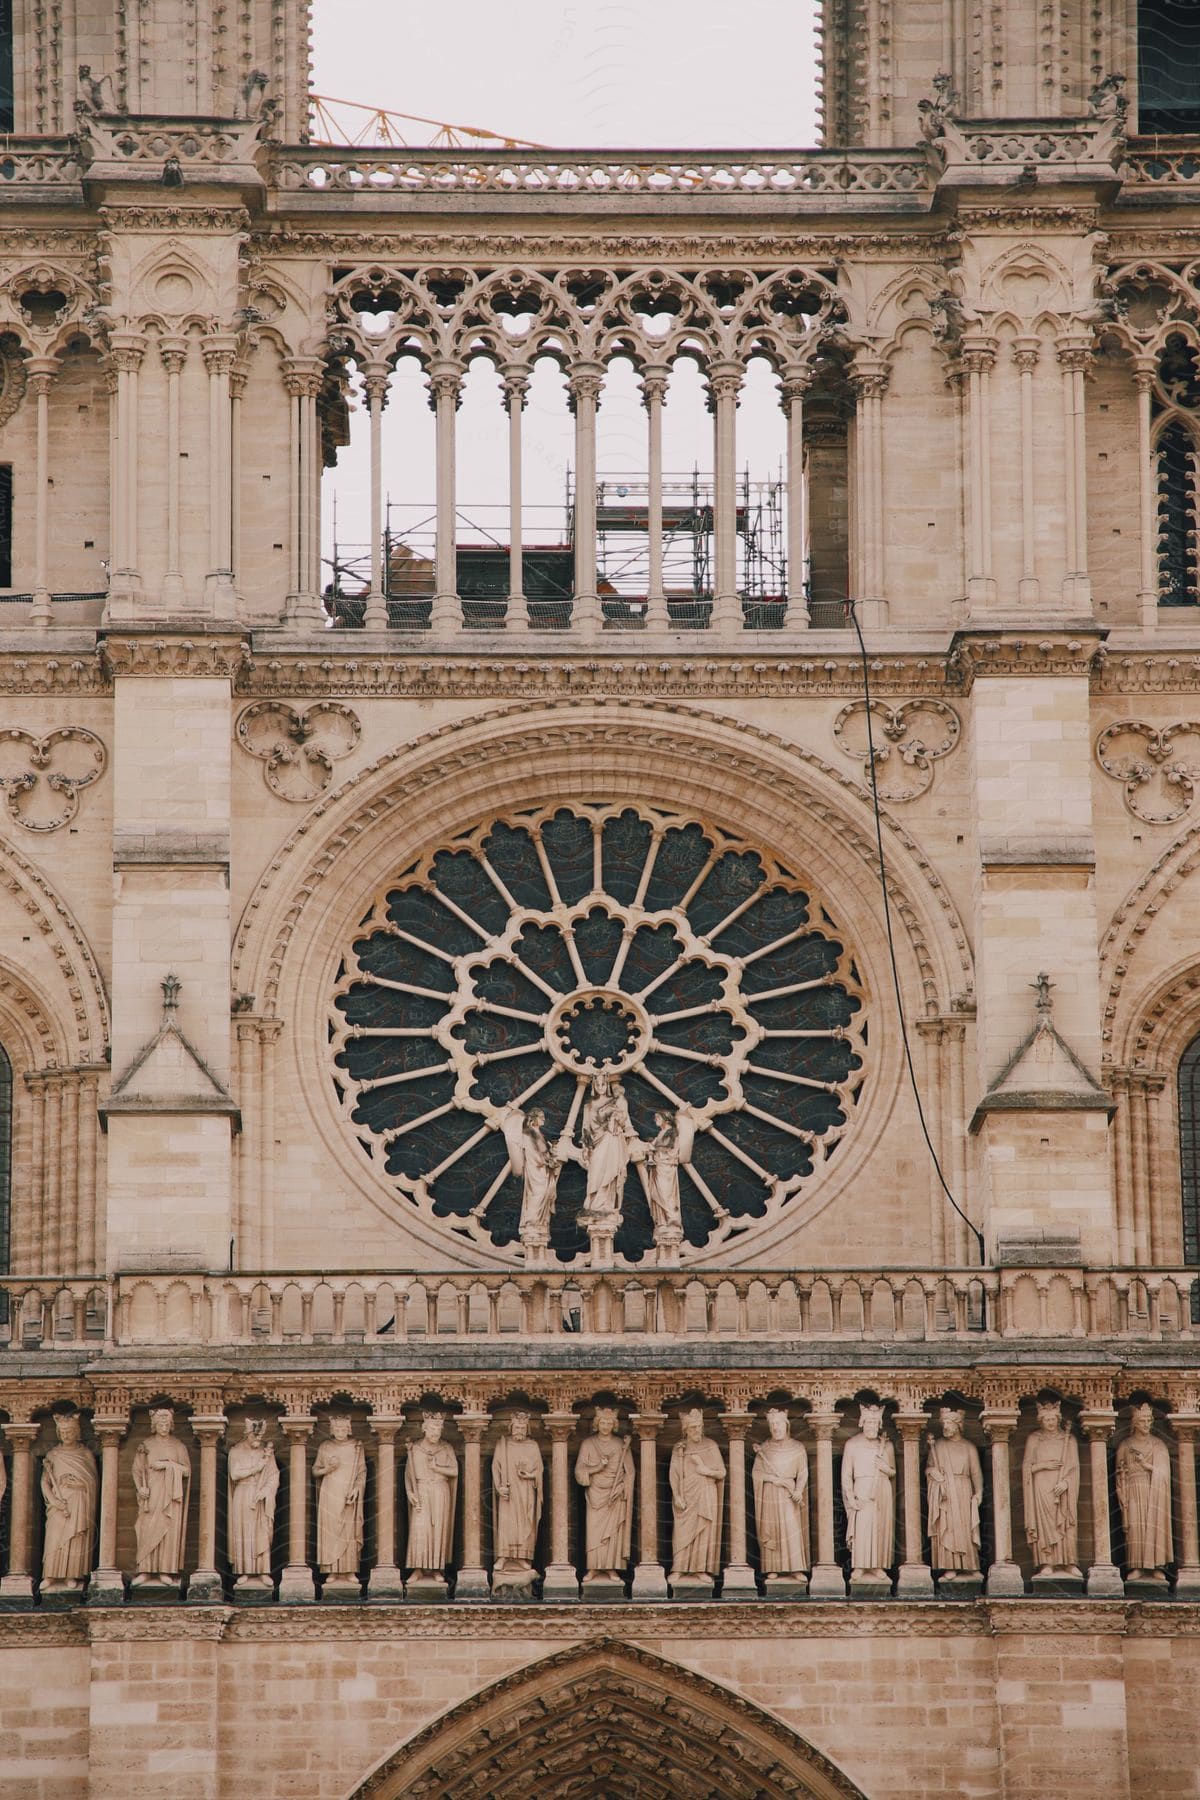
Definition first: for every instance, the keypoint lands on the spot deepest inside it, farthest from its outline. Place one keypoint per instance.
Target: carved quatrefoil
(1159, 785)
(908, 740)
(299, 749)
(41, 776)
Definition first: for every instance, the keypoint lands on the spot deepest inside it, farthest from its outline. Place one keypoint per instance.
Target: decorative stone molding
(86, 1000)
(298, 747)
(908, 740)
(41, 777)
(1050, 653)
(158, 654)
(1145, 759)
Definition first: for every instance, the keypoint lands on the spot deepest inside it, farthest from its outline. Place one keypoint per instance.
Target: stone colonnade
(387, 1424)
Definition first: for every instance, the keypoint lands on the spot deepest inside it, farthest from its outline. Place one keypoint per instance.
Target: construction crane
(350, 122)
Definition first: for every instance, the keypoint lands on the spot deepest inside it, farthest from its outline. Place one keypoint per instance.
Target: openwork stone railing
(618, 175)
(845, 1306)
(1176, 164)
(39, 162)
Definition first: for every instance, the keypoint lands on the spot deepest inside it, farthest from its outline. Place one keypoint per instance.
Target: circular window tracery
(587, 1032)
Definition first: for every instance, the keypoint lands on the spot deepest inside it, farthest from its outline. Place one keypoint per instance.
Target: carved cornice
(1052, 652)
(157, 654)
(628, 248)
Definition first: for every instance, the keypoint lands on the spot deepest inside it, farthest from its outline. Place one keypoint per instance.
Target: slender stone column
(1143, 381)
(205, 1584)
(445, 396)
(304, 608)
(472, 1582)
(296, 1583)
(107, 1586)
(1103, 1578)
(870, 378)
(1187, 1580)
(562, 1579)
(173, 352)
(1026, 352)
(125, 579)
(385, 1581)
(977, 360)
(584, 385)
(724, 386)
(376, 385)
(1075, 358)
(654, 394)
(88, 1127)
(828, 1581)
(649, 1577)
(238, 377)
(1004, 1578)
(218, 352)
(16, 1588)
(40, 381)
(792, 391)
(516, 386)
(737, 1581)
(915, 1579)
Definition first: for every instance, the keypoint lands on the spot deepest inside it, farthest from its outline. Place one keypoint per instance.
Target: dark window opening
(1189, 1161)
(1176, 546)
(7, 120)
(6, 520)
(1168, 68)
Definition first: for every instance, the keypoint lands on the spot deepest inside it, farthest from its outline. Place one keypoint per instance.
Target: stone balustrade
(906, 1306)
(123, 1449)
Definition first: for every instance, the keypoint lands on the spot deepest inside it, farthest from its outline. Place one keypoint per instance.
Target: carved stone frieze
(160, 654)
(42, 777)
(907, 740)
(1157, 765)
(1049, 653)
(298, 746)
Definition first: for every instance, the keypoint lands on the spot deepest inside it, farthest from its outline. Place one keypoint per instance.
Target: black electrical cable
(852, 608)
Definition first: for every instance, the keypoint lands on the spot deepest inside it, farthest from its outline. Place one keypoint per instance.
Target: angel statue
(531, 1156)
(667, 1152)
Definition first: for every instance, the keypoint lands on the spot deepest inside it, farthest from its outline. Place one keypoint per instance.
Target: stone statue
(162, 1474)
(431, 1484)
(667, 1152)
(1050, 1492)
(954, 1488)
(340, 1470)
(869, 1496)
(697, 1500)
(780, 1478)
(531, 1157)
(517, 1483)
(608, 1135)
(604, 1468)
(69, 1488)
(1144, 1496)
(95, 93)
(253, 1486)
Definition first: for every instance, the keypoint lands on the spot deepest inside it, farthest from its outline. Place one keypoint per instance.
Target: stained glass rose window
(595, 1027)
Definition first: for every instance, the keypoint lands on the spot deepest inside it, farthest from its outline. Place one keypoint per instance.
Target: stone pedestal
(785, 1587)
(106, 1588)
(649, 1582)
(738, 1583)
(341, 1587)
(960, 1584)
(1058, 1586)
(253, 1590)
(869, 1586)
(1148, 1585)
(915, 1582)
(691, 1587)
(513, 1584)
(827, 1582)
(471, 1584)
(58, 1599)
(16, 1593)
(296, 1585)
(600, 1588)
(385, 1582)
(205, 1588)
(1104, 1582)
(1004, 1582)
(144, 1592)
(430, 1590)
(561, 1582)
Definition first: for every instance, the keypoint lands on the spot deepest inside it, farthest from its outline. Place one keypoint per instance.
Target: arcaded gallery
(599, 974)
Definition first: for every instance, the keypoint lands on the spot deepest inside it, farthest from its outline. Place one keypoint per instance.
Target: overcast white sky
(658, 75)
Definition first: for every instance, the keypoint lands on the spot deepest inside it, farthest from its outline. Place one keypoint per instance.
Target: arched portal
(606, 1722)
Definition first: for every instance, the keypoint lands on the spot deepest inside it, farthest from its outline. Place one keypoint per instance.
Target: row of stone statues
(604, 1471)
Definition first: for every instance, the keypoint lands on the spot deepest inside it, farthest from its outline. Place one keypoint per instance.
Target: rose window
(598, 1031)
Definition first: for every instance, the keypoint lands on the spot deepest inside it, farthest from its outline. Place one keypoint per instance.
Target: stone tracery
(539, 957)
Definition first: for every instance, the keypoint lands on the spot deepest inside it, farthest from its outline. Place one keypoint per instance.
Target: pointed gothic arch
(606, 1721)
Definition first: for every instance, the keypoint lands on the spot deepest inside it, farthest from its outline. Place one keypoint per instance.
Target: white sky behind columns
(672, 73)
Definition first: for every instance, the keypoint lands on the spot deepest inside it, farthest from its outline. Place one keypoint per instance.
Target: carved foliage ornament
(1157, 765)
(511, 969)
(298, 747)
(41, 776)
(908, 740)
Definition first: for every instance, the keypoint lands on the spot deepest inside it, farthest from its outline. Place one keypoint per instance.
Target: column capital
(585, 382)
(40, 381)
(472, 1425)
(999, 1422)
(1098, 1425)
(208, 1426)
(1026, 353)
(297, 1426)
(1075, 354)
(386, 1426)
(736, 1424)
(654, 386)
(824, 1424)
(647, 1424)
(560, 1426)
(21, 1433)
(910, 1425)
(1186, 1425)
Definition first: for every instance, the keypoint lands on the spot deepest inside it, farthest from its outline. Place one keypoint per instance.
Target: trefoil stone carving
(298, 746)
(908, 740)
(42, 777)
(1158, 766)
